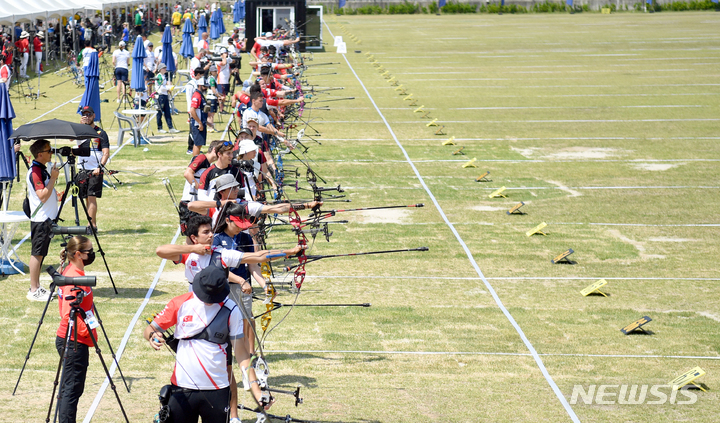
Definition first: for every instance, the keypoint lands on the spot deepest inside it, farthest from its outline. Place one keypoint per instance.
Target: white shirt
(149, 62)
(49, 209)
(223, 73)
(199, 364)
(195, 263)
(260, 116)
(121, 58)
(267, 43)
(194, 64)
(202, 44)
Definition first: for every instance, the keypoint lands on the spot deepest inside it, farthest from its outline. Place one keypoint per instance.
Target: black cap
(211, 285)
(246, 131)
(87, 109)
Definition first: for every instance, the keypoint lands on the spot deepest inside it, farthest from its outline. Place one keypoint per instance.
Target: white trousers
(23, 64)
(38, 60)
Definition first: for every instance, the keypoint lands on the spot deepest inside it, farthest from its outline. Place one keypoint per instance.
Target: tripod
(76, 311)
(72, 184)
(126, 98)
(42, 317)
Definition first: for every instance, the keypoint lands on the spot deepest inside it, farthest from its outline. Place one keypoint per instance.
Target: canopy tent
(11, 12)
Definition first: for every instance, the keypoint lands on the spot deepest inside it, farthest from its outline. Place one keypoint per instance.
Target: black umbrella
(52, 129)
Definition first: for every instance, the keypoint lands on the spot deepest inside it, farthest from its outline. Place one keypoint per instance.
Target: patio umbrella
(186, 50)
(238, 12)
(201, 25)
(137, 79)
(91, 96)
(167, 53)
(7, 153)
(52, 129)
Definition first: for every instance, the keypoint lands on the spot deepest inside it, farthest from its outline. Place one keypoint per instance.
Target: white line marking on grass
(125, 339)
(540, 188)
(489, 287)
(489, 353)
(564, 107)
(626, 95)
(69, 101)
(509, 278)
(415, 122)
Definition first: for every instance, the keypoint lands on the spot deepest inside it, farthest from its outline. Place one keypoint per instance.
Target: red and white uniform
(195, 263)
(199, 364)
(83, 336)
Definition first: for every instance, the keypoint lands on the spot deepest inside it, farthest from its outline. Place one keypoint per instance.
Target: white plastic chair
(130, 125)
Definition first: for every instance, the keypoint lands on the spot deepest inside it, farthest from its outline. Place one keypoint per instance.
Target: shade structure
(167, 53)
(239, 11)
(217, 27)
(137, 80)
(91, 96)
(186, 50)
(201, 25)
(7, 152)
(54, 129)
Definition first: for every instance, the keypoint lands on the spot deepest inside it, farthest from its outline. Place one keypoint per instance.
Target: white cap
(121, 43)
(246, 146)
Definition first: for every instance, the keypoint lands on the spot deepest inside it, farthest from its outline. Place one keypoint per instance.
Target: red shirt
(4, 72)
(196, 100)
(23, 45)
(37, 44)
(64, 305)
(197, 162)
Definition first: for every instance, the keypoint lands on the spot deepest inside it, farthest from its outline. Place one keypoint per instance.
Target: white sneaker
(162, 131)
(40, 294)
(173, 131)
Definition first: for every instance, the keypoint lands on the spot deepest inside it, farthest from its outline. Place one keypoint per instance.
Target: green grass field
(604, 125)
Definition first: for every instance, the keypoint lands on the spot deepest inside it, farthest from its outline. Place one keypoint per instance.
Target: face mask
(90, 258)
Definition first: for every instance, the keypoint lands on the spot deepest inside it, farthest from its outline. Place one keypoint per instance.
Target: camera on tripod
(60, 280)
(244, 165)
(83, 150)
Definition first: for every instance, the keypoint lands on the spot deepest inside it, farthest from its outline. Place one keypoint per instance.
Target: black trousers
(73, 379)
(164, 103)
(186, 405)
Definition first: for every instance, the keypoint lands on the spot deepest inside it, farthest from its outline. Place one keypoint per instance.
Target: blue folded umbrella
(91, 96)
(7, 152)
(221, 24)
(201, 25)
(236, 12)
(137, 79)
(186, 50)
(215, 25)
(167, 53)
